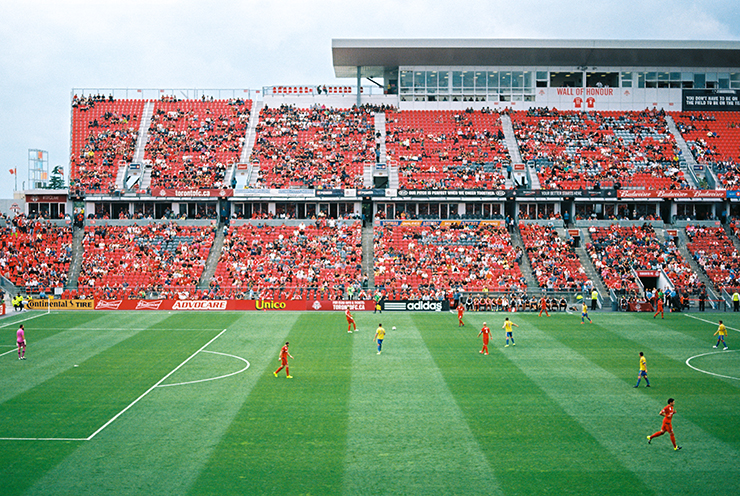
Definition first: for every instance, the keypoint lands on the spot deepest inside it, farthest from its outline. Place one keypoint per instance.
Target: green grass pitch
(121, 403)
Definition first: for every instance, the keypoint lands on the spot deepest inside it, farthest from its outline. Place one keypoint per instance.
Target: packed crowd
(314, 148)
(191, 143)
(437, 150)
(616, 250)
(555, 264)
(575, 150)
(104, 134)
(415, 260)
(158, 260)
(319, 259)
(35, 255)
(715, 253)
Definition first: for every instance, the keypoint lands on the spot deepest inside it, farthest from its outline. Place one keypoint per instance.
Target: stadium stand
(320, 260)
(715, 253)
(416, 261)
(554, 262)
(713, 139)
(163, 260)
(616, 250)
(35, 255)
(104, 134)
(439, 150)
(192, 142)
(313, 148)
(576, 150)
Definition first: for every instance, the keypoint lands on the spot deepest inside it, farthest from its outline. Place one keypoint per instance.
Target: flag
(12, 171)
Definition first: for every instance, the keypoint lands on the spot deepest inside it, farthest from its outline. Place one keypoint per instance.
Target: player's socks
(638, 382)
(649, 439)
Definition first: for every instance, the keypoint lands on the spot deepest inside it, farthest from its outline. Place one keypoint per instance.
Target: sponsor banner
(416, 305)
(46, 198)
(329, 192)
(61, 304)
(371, 192)
(231, 305)
(711, 99)
(520, 167)
(443, 223)
(648, 273)
(499, 193)
(192, 193)
(733, 194)
(564, 193)
(672, 193)
(576, 233)
(641, 306)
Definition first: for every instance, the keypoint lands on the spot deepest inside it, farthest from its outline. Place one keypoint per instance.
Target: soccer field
(162, 403)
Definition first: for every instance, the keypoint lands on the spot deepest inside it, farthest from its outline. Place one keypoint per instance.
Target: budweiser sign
(148, 305)
(108, 305)
(199, 305)
(672, 193)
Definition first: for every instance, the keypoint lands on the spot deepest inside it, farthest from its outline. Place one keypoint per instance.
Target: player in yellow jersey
(643, 371)
(509, 331)
(584, 314)
(722, 332)
(379, 336)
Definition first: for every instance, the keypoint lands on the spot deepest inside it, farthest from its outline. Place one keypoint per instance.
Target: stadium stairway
(684, 251)
(731, 235)
(368, 253)
(516, 157)
(213, 256)
(588, 266)
(78, 234)
(127, 178)
(524, 265)
(687, 158)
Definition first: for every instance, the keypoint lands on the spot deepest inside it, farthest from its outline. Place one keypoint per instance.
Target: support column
(359, 82)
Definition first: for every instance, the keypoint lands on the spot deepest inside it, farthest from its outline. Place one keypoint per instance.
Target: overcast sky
(49, 47)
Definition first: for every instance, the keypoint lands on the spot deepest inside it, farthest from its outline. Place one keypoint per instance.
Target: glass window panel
(640, 79)
(662, 76)
(468, 79)
(431, 79)
(419, 79)
(711, 76)
(457, 79)
(517, 79)
(687, 76)
(443, 80)
(735, 76)
(493, 80)
(542, 76)
(651, 76)
(700, 80)
(505, 80)
(724, 82)
(675, 76)
(407, 79)
(527, 83)
(626, 79)
(480, 80)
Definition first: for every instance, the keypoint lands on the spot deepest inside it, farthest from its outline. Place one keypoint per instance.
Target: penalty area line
(710, 322)
(152, 388)
(688, 360)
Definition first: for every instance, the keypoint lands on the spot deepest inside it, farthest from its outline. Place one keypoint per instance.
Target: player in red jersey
(284, 361)
(460, 311)
(543, 306)
(350, 321)
(667, 414)
(486, 331)
(660, 309)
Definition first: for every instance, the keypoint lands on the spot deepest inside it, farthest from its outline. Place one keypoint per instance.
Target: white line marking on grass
(212, 378)
(706, 371)
(23, 320)
(710, 322)
(154, 386)
(8, 352)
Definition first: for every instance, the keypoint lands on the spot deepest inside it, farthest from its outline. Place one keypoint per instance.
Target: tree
(57, 178)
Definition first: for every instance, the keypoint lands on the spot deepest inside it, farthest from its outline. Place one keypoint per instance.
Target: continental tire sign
(61, 304)
(417, 305)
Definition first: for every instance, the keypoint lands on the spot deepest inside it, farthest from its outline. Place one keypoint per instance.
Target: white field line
(22, 320)
(212, 378)
(710, 322)
(706, 371)
(122, 411)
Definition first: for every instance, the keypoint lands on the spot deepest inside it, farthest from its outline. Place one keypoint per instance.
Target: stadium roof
(376, 56)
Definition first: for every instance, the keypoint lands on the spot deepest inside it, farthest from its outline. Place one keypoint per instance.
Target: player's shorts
(509, 334)
(284, 361)
(21, 343)
(643, 373)
(667, 426)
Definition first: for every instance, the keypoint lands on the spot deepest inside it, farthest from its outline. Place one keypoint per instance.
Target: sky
(48, 48)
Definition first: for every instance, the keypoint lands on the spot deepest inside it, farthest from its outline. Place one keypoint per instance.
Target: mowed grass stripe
(78, 400)
(75, 338)
(531, 441)
(289, 436)
(160, 446)
(618, 416)
(407, 434)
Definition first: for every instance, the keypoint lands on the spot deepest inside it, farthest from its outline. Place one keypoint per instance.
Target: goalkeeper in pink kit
(20, 338)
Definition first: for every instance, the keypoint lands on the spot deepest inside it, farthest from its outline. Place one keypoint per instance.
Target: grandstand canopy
(376, 57)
